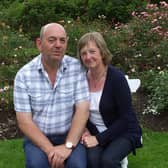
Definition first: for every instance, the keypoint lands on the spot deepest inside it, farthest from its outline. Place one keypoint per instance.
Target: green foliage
(14, 46)
(16, 50)
(31, 15)
(156, 84)
(112, 10)
(157, 1)
(121, 10)
(6, 99)
(141, 44)
(12, 13)
(76, 29)
(7, 74)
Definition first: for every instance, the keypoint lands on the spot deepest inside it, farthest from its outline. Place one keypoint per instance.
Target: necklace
(96, 83)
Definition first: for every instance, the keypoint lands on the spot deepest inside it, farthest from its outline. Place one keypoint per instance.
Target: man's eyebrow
(56, 37)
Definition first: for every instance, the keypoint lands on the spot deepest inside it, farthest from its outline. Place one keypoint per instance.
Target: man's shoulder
(32, 63)
(70, 59)
(29, 67)
(72, 62)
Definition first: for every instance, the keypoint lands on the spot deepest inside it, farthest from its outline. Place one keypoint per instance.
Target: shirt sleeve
(20, 95)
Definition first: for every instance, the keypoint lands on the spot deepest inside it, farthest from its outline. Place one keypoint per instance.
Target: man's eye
(62, 40)
(51, 40)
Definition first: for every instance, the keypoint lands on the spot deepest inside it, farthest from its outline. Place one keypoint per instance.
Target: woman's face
(90, 55)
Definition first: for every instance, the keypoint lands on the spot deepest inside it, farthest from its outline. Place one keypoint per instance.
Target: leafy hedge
(156, 85)
(30, 15)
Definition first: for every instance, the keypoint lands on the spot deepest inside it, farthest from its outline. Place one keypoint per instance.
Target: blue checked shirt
(51, 107)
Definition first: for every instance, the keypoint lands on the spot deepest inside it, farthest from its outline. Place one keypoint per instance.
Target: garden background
(137, 35)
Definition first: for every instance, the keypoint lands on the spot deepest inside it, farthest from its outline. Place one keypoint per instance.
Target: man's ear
(38, 43)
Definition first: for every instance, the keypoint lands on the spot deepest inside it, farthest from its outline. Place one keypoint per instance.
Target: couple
(53, 103)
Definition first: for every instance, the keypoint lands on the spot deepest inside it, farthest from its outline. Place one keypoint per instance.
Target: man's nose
(57, 43)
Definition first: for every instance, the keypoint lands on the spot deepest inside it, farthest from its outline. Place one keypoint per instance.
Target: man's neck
(51, 68)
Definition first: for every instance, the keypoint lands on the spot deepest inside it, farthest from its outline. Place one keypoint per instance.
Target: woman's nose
(87, 56)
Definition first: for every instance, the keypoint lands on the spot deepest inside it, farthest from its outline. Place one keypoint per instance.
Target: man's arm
(79, 120)
(29, 128)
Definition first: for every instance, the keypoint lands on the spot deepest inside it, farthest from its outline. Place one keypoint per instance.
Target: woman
(112, 130)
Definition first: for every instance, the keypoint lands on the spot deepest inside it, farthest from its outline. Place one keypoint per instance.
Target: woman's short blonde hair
(99, 41)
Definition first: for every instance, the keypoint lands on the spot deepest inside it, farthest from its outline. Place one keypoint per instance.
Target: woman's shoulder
(115, 72)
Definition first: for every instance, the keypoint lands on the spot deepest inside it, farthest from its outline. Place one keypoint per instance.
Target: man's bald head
(51, 25)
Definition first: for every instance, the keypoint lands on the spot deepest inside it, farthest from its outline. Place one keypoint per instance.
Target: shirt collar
(63, 66)
(39, 63)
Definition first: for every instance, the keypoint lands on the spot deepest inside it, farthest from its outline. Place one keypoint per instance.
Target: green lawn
(11, 154)
(154, 154)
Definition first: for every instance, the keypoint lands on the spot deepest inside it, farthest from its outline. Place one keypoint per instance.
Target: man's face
(53, 43)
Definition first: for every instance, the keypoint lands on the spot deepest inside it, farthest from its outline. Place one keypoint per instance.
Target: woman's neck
(97, 73)
(96, 78)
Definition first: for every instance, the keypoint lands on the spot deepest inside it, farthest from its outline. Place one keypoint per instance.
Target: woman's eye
(83, 54)
(92, 51)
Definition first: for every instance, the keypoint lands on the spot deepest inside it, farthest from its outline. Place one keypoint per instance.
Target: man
(51, 101)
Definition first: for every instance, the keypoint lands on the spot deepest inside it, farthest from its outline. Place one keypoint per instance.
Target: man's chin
(57, 57)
